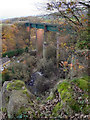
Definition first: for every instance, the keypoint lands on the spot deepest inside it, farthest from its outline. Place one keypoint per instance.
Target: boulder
(17, 101)
(16, 98)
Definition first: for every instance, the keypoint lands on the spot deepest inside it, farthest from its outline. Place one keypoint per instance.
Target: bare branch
(69, 10)
(85, 4)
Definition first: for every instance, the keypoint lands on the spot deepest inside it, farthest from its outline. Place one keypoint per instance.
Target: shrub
(83, 40)
(13, 53)
(26, 49)
(46, 67)
(51, 53)
(5, 76)
(20, 51)
(33, 53)
(19, 71)
(31, 61)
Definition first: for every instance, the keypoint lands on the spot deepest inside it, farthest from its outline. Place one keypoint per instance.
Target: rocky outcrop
(16, 98)
(17, 101)
(68, 99)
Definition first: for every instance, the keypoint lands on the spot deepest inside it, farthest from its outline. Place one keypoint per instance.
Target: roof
(4, 60)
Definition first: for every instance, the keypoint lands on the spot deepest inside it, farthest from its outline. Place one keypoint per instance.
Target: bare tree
(72, 11)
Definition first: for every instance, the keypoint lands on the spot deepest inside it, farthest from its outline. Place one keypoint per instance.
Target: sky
(20, 8)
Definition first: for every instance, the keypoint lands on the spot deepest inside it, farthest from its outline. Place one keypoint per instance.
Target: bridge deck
(48, 27)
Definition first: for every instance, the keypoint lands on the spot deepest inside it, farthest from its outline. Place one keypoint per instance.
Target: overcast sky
(18, 8)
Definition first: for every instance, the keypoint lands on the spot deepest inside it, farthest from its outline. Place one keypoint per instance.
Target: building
(4, 63)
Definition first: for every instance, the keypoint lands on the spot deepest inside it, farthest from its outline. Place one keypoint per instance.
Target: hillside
(39, 18)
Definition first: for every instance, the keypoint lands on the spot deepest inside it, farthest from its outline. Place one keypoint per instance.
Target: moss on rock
(70, 97)
(82, 83)
(15, 85)
(17, 97)
(73, 97)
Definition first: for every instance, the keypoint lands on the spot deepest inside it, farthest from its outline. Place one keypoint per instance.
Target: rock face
(5, 93)
(68, 99)
(16, 98)
(16, 101)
